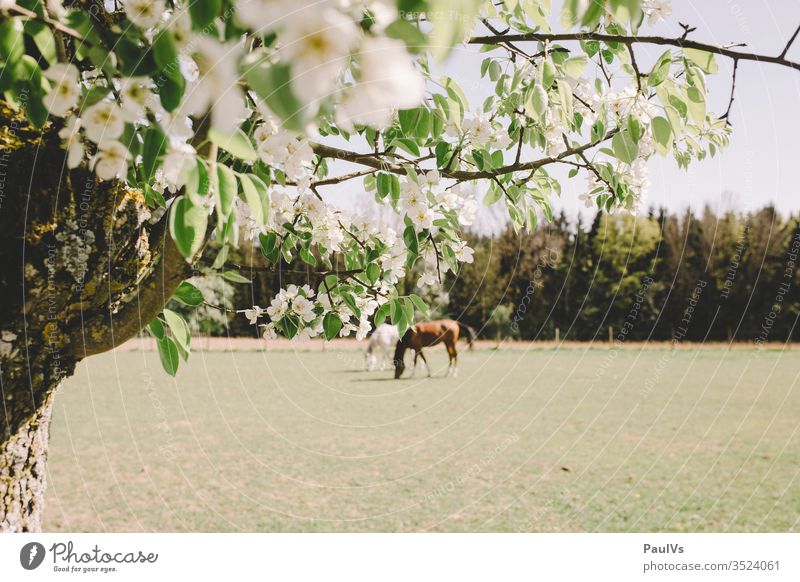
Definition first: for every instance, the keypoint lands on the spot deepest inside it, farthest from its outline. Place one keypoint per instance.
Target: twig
(726, 115)
(789, 44)
(635, 68)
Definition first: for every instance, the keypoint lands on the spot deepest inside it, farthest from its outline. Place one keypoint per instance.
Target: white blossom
(463, 252)
(303, 308)
(316, 43)
(253, 314)
(217, 86)
(657, 10)
(71, 140)
(144, 13)
(388, 80)
(103, 121)
(66, 89)
(176, 165)
(262, 15)
(111, 161)
(136, 97)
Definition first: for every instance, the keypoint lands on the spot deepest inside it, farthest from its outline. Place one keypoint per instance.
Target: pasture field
(572, 439)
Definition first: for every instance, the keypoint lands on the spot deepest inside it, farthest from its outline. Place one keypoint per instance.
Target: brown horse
(430, 333)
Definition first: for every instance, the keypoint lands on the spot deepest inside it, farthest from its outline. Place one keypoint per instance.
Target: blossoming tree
(136, 132)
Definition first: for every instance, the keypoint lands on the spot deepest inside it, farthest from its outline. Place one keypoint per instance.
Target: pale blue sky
(762, 163)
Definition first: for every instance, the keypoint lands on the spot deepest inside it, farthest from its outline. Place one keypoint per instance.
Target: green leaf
(383, 184)
(662, 133)
(351, 303)
(179, 329)
(697, 105)
(382, 313)
(42, 38)
(408, 32)
(332, 324)
(272, 83)
(188, 294)
(12, 42)
(625, 149)
(157, 328)
(237, 144)
(225, 189)
(170, 91)
(408, 310)
(574, 66)
(187, 225)
(308, 257)
(702, 59)
(255, 194)
(679, 104)
(373, 272)
(165, 53)
(153, 147)
(168, 353)
(451, 19)
(660, 70)
(198, 183)
(420, 304)
(204, 12)
(548, 73)
(234, 277)
(269, 245)
(407, 144)
(537, 103)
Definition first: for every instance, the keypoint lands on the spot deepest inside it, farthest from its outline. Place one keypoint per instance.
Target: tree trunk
(23, 473)
(84, 266)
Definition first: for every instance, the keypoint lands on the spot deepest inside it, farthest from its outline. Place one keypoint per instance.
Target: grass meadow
(523, 440)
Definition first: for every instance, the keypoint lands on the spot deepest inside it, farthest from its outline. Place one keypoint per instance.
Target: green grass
(569, 440)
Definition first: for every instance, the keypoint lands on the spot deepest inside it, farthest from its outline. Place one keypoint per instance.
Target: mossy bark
(84, 268)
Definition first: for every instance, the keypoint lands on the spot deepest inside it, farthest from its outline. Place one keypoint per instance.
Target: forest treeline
(688, 277)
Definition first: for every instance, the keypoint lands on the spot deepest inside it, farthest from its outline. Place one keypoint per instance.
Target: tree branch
(630, 40)
(726, 115)
(108, 330)
(460, 175)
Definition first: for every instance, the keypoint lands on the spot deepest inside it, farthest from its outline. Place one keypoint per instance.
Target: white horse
(380, 347)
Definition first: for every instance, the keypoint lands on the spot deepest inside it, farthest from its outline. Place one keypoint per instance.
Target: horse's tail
(469, 333)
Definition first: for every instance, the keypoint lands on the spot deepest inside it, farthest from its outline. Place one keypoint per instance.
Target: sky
(762, 164)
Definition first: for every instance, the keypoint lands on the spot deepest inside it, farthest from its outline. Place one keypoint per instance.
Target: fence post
(558, 335)
(610, 334)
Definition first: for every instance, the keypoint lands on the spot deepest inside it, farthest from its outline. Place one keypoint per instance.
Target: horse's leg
(424, 359)
(384, 356)
(414, 369)
(452, 370)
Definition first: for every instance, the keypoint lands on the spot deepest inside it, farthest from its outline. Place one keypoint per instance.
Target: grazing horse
(430, 333)
(380, 342)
